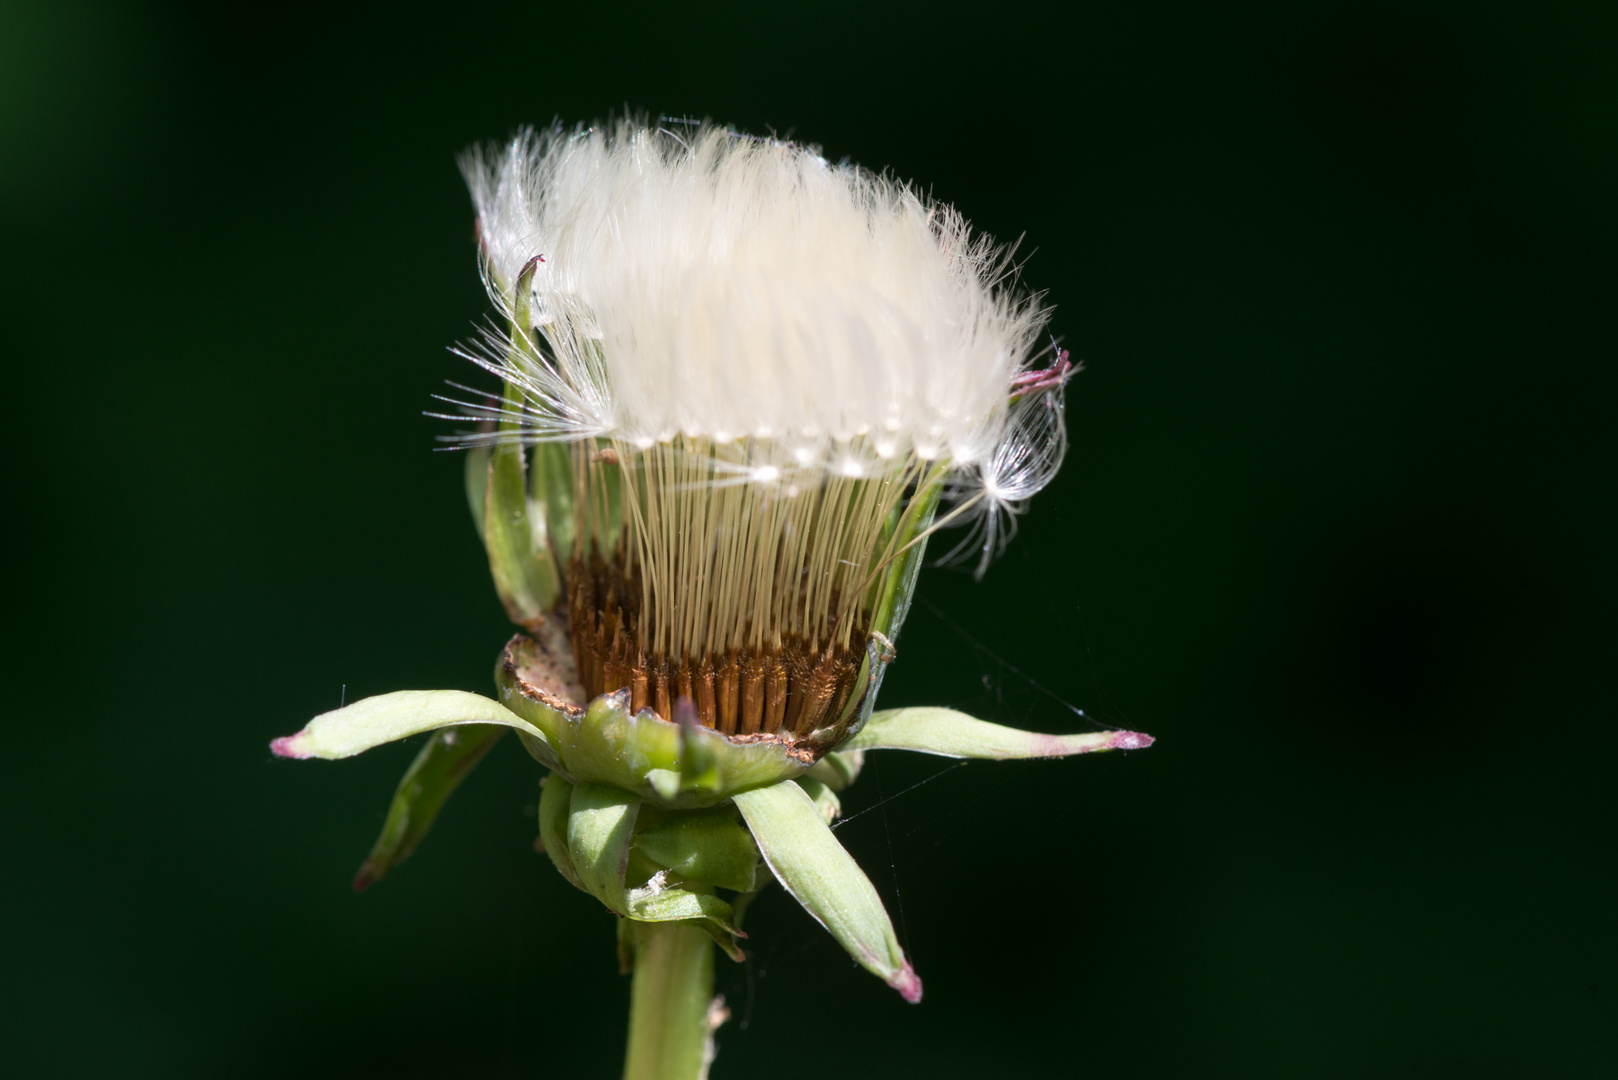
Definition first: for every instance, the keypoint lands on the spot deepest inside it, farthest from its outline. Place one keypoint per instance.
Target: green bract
(665, 822)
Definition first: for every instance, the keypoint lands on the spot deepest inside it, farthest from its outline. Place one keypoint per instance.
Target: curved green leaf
(520, 560)
(807, 859)
(440, 767)
(952, 734)
(524, 573)
(656, 903)
(387, 718)
(550, 497)
(600, 826)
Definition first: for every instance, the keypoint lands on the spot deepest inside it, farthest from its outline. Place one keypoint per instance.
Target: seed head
(764, 372)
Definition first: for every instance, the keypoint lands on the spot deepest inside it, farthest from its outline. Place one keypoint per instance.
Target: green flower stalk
(741, 389)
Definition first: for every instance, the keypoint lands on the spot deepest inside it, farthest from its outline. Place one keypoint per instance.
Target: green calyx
(651, 866)
(669, 765)
(669, 823)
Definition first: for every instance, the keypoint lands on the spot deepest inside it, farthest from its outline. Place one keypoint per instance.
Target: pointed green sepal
(555, 797)
(807, 859)
(524, 574)
(952, 734)
(600, 826)
(387, 718)
(600, 829)
(655, 902)
(708, 846)
(520, 559)
(442, 764)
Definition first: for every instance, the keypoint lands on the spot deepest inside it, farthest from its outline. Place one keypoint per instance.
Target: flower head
(763, 371)
(741, 387)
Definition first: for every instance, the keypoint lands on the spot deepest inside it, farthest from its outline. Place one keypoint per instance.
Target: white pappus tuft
(1026, 459)
(699, 287)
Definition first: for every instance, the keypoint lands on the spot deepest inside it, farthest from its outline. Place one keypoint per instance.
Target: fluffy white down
(704, 283)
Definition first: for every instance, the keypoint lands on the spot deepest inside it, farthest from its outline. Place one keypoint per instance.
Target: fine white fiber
(693, 286)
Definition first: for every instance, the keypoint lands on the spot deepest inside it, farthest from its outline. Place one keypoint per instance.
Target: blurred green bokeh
(1331, 528)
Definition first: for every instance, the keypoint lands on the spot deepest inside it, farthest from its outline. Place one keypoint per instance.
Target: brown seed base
(791, 689)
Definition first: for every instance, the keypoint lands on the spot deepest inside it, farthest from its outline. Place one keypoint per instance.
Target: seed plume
(762, 379)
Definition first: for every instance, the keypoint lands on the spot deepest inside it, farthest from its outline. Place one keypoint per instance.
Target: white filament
(703, 284)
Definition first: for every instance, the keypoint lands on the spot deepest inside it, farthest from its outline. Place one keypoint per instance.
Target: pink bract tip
(1046, 379)
(907, 982)
(1131, 740)
(286, 746)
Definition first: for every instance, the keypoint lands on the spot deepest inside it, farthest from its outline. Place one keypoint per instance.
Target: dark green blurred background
(1332, 527)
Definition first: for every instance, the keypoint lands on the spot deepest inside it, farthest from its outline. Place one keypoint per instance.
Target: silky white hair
(697, 284)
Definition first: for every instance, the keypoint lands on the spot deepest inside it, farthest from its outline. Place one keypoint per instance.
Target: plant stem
(668, 1007)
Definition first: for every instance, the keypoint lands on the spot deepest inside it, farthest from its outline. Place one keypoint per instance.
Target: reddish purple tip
(1131, 740)
(907, 982)
(1045, 379)
(685, 713)
(286, 746)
